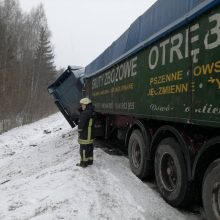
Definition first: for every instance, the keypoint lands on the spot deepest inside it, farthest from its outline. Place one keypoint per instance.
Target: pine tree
(44, 71)
(44, 60)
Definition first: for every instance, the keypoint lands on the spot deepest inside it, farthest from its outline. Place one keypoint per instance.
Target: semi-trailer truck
(157, 88)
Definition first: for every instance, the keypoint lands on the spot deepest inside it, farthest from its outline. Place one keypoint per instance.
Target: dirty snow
(39, 180)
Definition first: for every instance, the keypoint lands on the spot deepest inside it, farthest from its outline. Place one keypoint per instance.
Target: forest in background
(26, 65)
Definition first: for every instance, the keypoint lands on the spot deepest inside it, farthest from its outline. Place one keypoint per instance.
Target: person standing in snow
(85, 131)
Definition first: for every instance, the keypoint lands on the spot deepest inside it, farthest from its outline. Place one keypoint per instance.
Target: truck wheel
(170, 173)
(211, 191)
(137, 153)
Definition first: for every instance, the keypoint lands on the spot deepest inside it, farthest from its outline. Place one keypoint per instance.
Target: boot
(90, 162)
(82, 164)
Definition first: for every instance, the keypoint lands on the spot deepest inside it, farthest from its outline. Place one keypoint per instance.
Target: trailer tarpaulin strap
(160, 19)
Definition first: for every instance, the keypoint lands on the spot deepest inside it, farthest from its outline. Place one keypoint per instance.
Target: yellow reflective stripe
(90, 129)
(80, 129)
(85, 141)
(88, 140)
(84, 159)
(84, 156)
(90, 158)
(90, 122)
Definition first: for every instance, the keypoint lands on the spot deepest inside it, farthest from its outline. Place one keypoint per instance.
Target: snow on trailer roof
(162, 18)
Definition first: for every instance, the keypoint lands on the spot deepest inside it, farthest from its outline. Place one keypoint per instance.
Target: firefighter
(85, 131)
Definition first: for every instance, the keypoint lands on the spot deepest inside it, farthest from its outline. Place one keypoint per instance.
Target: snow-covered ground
(39, 180)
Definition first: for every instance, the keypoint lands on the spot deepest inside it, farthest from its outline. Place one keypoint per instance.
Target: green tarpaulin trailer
(157, 88)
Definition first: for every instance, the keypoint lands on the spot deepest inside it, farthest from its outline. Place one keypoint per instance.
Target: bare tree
(26, 65)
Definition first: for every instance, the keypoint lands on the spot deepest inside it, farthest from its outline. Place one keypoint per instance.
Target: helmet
(85, 101)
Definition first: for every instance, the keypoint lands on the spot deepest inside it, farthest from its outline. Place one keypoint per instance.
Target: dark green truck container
(177, 78)
(67, 91)
(159, 92)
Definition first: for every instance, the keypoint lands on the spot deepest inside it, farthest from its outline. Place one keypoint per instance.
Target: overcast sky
(82, 29)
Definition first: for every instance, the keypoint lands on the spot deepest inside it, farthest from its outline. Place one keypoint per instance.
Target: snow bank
(39, 180)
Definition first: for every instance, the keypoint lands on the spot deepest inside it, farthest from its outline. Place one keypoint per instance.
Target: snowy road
(39, 180)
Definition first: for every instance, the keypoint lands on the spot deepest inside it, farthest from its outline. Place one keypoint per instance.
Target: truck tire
(211, 191)
(137, 153)
(170, 173)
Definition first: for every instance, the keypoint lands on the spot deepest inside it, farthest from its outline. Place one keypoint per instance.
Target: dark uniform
(85, 129)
